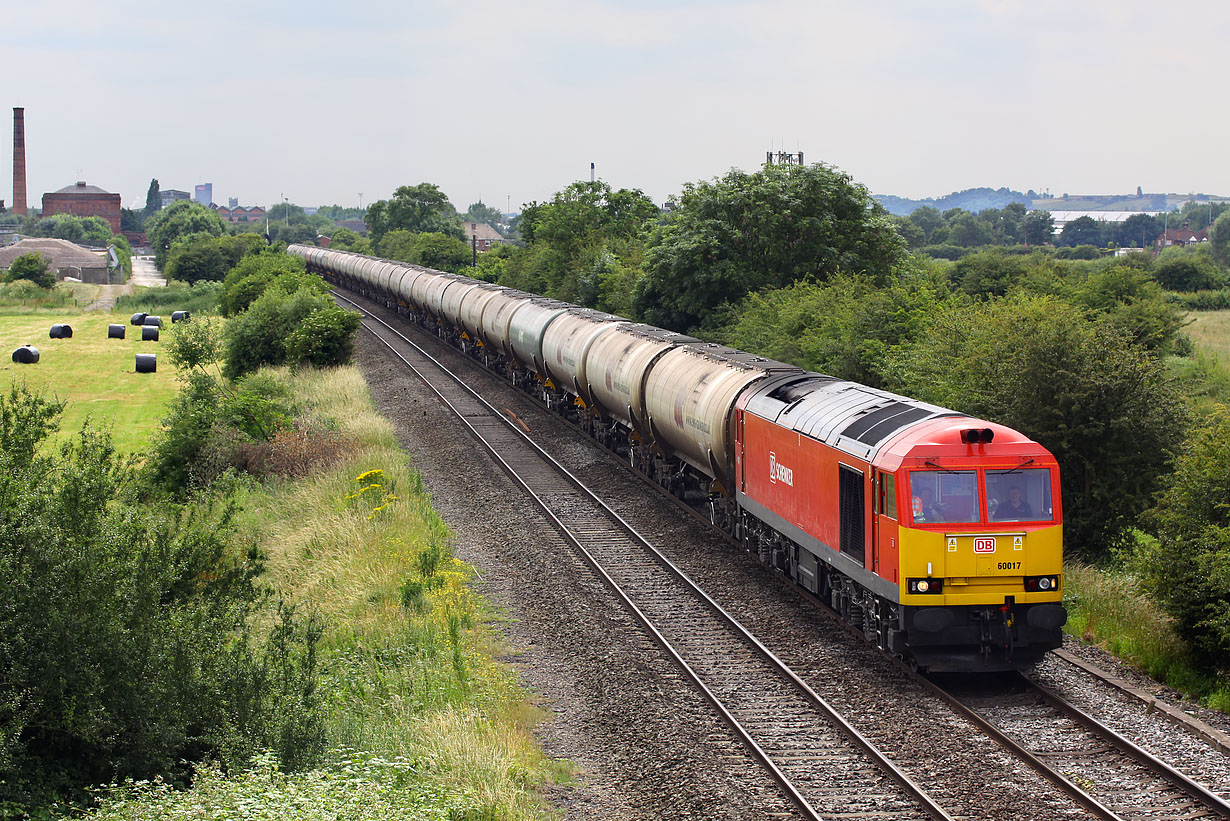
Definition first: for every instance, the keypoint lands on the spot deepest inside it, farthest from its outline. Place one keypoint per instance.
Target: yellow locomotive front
(979, 545)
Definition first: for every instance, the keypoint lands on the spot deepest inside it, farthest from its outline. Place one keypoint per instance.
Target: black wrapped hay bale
(26, 355)
(147, 362)
(179, 316)
(138, 319)
(152, 320)
(61, 331)
(149, 333)
(116, 331)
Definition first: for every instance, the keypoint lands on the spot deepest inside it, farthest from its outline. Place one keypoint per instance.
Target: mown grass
(421, 721)
(96, 375)
(1107, 608)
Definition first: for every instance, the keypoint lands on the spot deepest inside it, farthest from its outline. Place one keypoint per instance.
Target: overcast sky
(511, 101)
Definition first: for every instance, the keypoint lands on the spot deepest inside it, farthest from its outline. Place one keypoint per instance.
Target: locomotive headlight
(923, 586)
(1044, 583)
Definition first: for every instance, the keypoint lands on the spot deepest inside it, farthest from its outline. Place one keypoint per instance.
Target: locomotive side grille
(851, 502)
(887, 427)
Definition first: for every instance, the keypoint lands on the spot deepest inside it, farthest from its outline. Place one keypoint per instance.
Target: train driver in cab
(1013, 507)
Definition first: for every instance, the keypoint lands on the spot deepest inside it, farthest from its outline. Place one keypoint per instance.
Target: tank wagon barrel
(938, 535)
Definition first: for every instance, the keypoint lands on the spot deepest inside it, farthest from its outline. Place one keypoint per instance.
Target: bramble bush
(1187, 567)
(125, 646)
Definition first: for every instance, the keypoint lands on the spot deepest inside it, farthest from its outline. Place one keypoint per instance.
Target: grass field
(1210, 330)
(95, 375)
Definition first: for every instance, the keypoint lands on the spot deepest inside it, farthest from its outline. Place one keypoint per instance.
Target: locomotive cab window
(944, 497)
(1021, 495)
(887, 504)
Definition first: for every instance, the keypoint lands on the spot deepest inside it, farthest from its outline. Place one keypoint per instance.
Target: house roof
(483, 231)
(1183, 235)
(81, 188)
(59, 253)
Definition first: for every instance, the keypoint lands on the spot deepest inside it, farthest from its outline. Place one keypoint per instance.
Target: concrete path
(143, 273)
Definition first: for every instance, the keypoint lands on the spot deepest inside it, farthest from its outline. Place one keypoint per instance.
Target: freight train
(938, 535)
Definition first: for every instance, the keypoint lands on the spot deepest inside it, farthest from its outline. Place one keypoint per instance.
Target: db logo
(779, 472)
(984, 544)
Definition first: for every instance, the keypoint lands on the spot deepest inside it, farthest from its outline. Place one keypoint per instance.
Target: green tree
(415, 208)
(343, 239)
(1219, 238)
(256, 273)
(1188, 568)
(1139, 230)
(444, 253)
(969, 231)
(1039, 228)
(849, 327)
(1181, 269)
(1101, 404)
(31, 267)
(153, 198)
(910, 232)
(179, 219)
(988, 273)
(1083, 231)
(209, 258)
(397, 244)
(480, 212)
(746, 232)
(928, 219)
(584, 246)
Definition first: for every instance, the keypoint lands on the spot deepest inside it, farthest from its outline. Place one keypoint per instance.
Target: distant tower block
(783, 158)
(19, 161)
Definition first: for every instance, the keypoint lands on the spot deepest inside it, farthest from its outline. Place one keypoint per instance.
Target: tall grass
(423, 722)
(1107, 608)
(200, 298)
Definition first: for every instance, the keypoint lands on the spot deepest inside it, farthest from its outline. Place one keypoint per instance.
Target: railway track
(1103, 771)
(821, 762)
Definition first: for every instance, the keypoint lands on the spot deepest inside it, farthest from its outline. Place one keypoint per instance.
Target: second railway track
(824, 766)
(1129, 794)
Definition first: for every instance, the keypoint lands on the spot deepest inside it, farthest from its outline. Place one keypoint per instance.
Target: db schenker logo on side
(779, 472)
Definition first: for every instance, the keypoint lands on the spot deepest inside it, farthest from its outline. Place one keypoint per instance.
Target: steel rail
(881, 761)
(1072, 789)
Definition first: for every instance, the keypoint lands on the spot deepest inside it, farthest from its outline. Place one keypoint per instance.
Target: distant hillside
(979, 199)
(971, 199)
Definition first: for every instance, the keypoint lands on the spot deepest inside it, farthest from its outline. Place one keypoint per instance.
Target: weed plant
(198, 299)
(1107, 607)
(421, 721)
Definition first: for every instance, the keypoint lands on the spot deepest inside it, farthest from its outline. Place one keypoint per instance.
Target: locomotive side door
(884, 525)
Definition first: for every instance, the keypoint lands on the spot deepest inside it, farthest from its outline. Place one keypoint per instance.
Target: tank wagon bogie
(936, 534)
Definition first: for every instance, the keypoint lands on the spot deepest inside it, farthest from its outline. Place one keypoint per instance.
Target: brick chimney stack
(19, 161)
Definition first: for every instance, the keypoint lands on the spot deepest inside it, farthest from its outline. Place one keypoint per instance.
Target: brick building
(82, 200)
(482, 235)
(239, 213)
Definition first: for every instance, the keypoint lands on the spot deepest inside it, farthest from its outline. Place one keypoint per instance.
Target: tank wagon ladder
(796, 736)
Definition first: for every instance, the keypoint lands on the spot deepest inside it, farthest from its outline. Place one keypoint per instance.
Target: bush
(200, 298)
(204, 257)
(32, 268)
(1101, 404)
(1203, 300)
(1178, 269)
(260, 335)
(1188, 567)
(324, 338)
(124, 641)
(25, 293)
(248, 280)
(948, 252)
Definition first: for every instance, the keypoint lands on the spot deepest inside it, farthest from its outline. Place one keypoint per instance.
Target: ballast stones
(138, 319)
(116, 331)
(61, 331)
(179, 316)
(149, 333)
(25, 355)
(147, 362)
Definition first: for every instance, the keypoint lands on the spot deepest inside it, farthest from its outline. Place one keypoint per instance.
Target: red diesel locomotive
(936, 534)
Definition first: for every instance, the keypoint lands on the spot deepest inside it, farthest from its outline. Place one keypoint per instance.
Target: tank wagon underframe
(680, 411)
